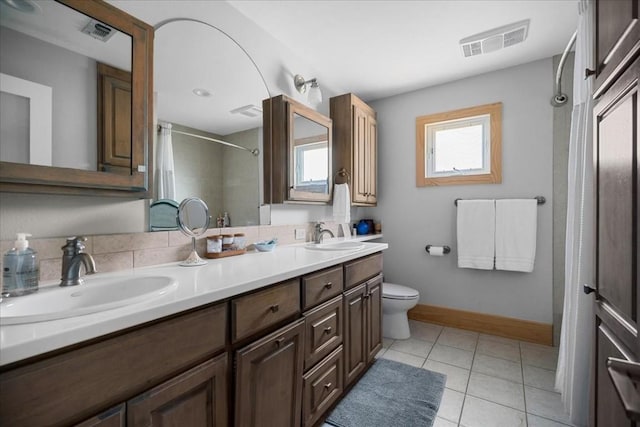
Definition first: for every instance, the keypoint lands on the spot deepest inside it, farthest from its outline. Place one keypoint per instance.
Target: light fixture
(315, 95)
(201, 92)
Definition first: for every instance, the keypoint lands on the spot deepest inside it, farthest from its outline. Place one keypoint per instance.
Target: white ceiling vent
(250, 110)
(495, 39)
(98, 30)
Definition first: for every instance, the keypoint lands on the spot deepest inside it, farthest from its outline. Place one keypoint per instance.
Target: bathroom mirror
(193, 219)
(51, 95)
(301, 142)
(210, 92)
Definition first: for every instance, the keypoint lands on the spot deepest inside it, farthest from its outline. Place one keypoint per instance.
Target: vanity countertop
(219, 279)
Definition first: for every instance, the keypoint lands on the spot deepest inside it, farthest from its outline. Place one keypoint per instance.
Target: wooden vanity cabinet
(355, 147)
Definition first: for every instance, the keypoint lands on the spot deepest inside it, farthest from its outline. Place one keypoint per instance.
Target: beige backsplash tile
(50, 269)
(46, 248)
(127, 242)
(284, 233)
(147, 257)
(114, 261)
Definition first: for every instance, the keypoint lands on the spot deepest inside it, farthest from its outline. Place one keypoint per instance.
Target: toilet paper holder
(445, 249)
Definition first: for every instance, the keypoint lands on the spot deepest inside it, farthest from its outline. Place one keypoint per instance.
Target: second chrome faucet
(319, 232)
(73, 257)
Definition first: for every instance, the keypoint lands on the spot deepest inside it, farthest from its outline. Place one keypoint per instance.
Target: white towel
(341, 204)
(476, 233)
(516, 223)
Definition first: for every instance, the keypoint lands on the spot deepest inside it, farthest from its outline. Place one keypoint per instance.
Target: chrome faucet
(319, 232)
(72, 258)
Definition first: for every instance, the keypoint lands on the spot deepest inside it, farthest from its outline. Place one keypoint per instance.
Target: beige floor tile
(441, 422)
(458, 338)
(496, 390)
(380, 353)
(386, 342)
(545, 404)
(424, 331)
(539, 378)
(501, 340)
(405, 358)
(536, 421)
(452, 356)
(457, 378)
(482, 413)
(496, 349)
(451, 405)
(412, 346)
(496, 367)
(540, 356)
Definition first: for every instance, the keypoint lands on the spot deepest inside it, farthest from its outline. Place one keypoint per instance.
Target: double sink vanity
(269, 338)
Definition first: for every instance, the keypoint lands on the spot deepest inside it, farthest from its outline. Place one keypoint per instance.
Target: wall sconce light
(315, 95)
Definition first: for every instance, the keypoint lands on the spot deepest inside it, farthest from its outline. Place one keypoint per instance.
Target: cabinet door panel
(372, 143)
(323, 385)
(360, 156)
(323, 331)
(269, 379)
(374, 317)
(114, 417)
(355, 337)
(197, 398)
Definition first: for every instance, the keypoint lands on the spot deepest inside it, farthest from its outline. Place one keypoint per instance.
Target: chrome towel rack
(541, 200)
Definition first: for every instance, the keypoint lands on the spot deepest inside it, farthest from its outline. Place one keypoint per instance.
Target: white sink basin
(94, 295)
(339, 246)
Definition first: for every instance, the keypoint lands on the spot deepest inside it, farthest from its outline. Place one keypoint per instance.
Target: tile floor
(491, 381)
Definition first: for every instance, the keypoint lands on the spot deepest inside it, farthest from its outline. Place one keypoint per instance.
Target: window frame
(491, 175)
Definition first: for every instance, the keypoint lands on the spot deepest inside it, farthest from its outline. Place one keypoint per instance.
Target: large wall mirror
(209, 97)
(75, 87)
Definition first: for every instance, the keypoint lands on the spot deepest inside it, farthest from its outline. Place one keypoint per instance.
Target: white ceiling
(381, 48)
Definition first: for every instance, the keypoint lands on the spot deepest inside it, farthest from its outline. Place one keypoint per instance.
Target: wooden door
(616, 118)
(374, 317)
(355, 337)
(114, 417)
(196, 398)
(360, 156)
(269, 379)
(372, 172)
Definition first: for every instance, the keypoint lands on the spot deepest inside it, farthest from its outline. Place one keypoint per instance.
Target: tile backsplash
(113, 252)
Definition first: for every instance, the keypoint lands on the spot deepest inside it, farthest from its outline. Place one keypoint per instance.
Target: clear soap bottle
(20, 268)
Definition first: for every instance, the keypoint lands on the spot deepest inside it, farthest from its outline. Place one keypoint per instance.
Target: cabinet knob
(279, 342)
(588, 289)
(328, 285)
(328, 386)
(367, 295)
(588, 72)
(275, 308)
(327, 330)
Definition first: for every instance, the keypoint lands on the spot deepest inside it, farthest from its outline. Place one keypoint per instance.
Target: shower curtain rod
(560, 98)
(253, 151)
(540, 199)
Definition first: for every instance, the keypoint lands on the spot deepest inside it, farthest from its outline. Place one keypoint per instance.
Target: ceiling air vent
(495, 39)
(250, 110)
(98, 30)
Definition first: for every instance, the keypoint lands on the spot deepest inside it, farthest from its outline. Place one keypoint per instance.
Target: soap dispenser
(20, 268)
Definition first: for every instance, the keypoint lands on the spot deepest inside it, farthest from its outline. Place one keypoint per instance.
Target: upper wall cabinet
(355, 145)
(66, 126)
(297, 153)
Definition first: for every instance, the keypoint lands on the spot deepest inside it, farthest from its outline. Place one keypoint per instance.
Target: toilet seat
(393, 291)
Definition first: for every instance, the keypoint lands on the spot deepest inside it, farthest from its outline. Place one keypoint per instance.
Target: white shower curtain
(576, 339)
(164, 170)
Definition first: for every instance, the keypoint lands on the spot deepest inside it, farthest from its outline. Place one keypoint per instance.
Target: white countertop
(219, 279)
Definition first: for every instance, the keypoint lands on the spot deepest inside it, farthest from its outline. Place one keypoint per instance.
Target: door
(269, 379)
(360, 156)
(374, 317)
(372, 147)
(196, 398)
(355, 337)
(616, 118)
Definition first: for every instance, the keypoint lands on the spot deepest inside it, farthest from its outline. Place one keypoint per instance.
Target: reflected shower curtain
(576, 339)
(164, 170)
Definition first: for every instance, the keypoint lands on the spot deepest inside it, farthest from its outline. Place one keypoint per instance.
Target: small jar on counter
(239, 241)
(227, 242)
(214, 244)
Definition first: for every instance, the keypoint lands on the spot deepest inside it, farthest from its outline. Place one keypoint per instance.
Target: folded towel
(341, 204)
(476, 232)
(516, 223)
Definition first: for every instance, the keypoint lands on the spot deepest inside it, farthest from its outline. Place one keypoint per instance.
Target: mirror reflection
(208, 102)
(193, 220)
(310, 155)
(64, 78)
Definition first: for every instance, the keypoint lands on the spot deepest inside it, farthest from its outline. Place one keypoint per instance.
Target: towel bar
(541, 200)
(342, 172)
(445, 249)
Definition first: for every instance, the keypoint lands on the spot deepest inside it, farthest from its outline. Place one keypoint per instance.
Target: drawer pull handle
(328, 285)
(279, 342)
(328, 386)
(275, 308)
(327, 330)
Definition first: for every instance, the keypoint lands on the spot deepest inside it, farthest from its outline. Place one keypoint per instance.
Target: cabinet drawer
(254, 312)
(358, 271)
(322, 386)
(323, 331)
(321, 286)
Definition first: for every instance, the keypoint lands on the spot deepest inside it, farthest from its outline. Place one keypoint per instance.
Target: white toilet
(396, 301)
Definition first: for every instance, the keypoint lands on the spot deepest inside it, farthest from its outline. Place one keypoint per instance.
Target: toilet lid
(393, 291)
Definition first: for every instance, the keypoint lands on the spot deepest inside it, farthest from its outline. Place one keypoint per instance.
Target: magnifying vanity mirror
(75, 85)
(193, 219)
(208, 102)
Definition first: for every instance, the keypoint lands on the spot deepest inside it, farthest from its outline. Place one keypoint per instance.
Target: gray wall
(414, 217)
(73, 78)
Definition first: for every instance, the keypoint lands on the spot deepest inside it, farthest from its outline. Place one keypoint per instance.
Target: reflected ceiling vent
(495, 39)
(250, 110)
(98, 30)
